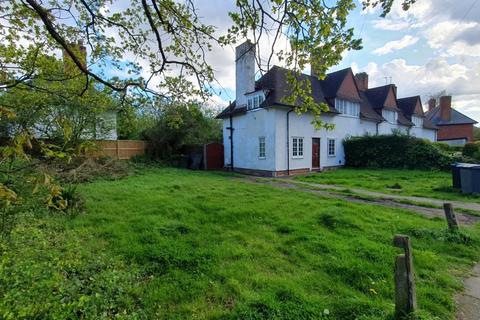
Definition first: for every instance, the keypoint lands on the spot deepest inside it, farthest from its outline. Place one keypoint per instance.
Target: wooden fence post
(450, 215)
(405, 295)
(118, 151)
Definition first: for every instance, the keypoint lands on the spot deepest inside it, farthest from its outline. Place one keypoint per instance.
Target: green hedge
(394, 151)
(472, 150)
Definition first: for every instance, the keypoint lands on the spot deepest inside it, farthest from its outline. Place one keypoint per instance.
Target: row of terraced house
(263, 136)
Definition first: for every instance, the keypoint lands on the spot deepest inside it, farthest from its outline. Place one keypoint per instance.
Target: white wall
(300, 126)
(424, 133)
(107, 126)
(247, 129)
(271, 123)
(388, 128)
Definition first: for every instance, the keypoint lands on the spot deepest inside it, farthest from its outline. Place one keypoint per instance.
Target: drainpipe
(231, 136)
(288, 141)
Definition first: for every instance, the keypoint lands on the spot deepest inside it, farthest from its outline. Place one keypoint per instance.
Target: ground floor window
(261, 147)
(297, 147)
(331, 147)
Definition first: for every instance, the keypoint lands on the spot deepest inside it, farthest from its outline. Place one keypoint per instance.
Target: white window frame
(298, 147)
(334, 154)
(348, 108)
(386, 114)
(254, 101)
(262, 141)
(417, 121)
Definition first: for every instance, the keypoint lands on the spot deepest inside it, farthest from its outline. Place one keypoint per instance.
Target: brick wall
(456, 132)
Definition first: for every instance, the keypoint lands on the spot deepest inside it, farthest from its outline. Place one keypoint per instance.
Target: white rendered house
(270, 139)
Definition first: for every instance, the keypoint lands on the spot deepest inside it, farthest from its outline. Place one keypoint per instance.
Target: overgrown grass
(174, 244)
(430, 184)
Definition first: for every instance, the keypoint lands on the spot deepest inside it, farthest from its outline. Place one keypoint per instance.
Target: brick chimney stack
(431, 104)
(445, 107)
(362, 81)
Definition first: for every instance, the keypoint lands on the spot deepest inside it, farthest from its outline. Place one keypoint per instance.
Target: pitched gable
(390, 99)
(348, 89)
(332, 82)
(418, 108)
(410, 106)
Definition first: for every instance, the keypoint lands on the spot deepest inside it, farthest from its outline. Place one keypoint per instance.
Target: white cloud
(394, 45)
(452, 38)
(389, 24)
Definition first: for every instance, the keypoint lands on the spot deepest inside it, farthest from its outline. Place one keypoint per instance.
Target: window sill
(262, 158)
(297, 157)
(348, 116)
(332, 155)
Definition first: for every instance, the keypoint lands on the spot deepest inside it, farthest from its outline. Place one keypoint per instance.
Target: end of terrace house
(263, 136)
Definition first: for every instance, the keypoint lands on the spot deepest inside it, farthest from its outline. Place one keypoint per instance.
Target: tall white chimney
(244, 71)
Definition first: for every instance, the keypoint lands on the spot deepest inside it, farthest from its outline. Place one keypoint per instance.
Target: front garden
(175, 244)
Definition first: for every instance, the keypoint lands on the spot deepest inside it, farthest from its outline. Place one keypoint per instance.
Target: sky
(434, 46)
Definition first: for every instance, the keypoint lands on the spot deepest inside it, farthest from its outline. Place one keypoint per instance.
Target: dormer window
(390, 116)
(254, 101)
(348, 107)
(417, 121)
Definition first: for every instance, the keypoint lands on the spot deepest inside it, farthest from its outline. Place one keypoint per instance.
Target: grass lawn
(175, 244)
(430, 184)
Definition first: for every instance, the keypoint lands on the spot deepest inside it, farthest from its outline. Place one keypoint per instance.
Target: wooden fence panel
(120, 149)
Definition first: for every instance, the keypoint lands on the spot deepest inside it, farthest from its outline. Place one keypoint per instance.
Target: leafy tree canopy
(172, 40)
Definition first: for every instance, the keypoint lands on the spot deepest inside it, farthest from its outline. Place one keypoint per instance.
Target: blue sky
(434, 46)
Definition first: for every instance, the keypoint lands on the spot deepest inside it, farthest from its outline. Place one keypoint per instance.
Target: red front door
(315, 153)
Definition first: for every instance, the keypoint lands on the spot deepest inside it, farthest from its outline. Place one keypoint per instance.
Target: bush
(472, 150)
(179, 126)
(394, 151)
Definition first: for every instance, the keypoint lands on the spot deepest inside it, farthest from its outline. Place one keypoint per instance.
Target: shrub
(443, 146)
(472, 150)
(65, 199)
(394, 151)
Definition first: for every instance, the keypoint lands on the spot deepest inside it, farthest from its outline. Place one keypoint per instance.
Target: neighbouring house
(262, 135)
(454, 127)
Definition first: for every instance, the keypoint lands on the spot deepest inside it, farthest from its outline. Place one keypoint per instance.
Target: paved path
(468, 302)
(436, 202)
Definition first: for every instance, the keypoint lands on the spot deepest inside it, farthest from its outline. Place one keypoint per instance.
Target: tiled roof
(378, 96)
(407, 105)
(275, 85)
(231, 109)
(456, 117)
(333, 81)
(366, 109)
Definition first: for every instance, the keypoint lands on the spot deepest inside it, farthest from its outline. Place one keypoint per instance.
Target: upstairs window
(261, 147)
(347, 107)
(417, 121)
(254, 102)
(297, 147)
(390, 116)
